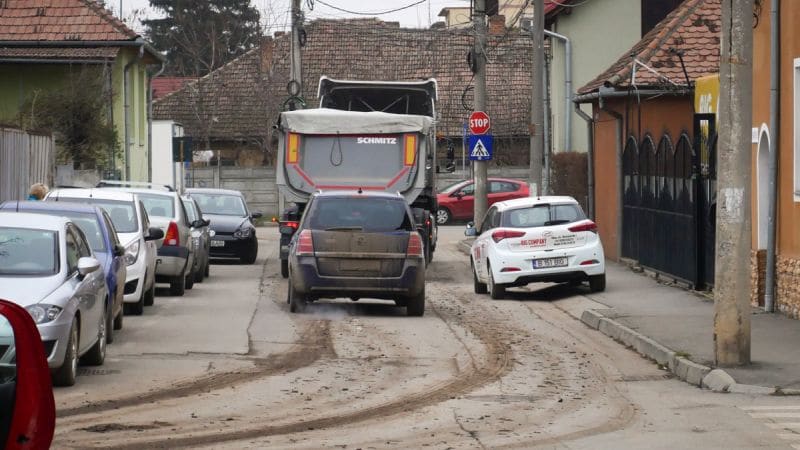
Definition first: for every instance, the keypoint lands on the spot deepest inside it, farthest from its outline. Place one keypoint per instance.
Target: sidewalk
(683, 321)
(675, 327)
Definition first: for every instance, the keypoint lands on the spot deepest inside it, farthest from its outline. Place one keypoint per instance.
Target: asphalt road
(227, 366)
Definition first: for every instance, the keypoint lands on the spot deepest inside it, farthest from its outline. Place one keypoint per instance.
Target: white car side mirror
(87, 265)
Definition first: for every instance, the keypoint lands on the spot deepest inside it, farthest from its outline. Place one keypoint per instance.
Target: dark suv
(357, 245)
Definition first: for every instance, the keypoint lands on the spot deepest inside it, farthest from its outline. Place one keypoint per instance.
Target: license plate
(218, 243)
(547, 263)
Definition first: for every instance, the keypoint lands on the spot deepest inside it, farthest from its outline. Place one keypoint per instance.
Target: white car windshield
(26, 251)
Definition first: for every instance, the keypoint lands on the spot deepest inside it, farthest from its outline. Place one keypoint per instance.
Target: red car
(457, 201)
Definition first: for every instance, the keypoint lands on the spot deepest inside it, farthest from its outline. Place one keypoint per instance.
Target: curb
(686, 370)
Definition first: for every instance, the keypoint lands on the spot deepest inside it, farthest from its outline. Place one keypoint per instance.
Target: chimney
(497, 25)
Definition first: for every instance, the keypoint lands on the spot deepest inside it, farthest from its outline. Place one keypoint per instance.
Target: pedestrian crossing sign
(480, 147)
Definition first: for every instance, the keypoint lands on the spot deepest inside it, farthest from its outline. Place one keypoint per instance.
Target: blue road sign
(480, 147)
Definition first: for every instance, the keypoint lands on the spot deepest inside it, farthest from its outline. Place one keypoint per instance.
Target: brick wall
(788, 290)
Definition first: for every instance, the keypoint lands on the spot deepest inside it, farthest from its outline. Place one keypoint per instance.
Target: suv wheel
(297, 303)
(416, 305)
(177, 286)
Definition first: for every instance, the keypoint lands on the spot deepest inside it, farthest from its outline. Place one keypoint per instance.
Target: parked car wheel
(97, 354)
(118, 321)
(137, 308)
(478, 287)
(177, 286)
(597, 283)
(297, 303)
(285, 268)
(65, 375)
(198, 275)
(416, 305)
(149, 297)
(109, 326)
(189, 280)
(250, 256)
(443, 216)
(207, 270)
(496, 291)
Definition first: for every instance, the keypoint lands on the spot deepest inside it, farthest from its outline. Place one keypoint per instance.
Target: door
(86, 289)
(500, 191)
(481, 247)
(464, 202)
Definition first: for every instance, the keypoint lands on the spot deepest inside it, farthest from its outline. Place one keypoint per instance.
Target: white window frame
(796, 124)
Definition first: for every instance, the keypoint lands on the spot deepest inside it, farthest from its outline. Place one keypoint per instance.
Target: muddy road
(227, 366)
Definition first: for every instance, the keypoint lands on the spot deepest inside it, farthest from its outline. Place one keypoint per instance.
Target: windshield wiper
(350, 228)
(556, 222)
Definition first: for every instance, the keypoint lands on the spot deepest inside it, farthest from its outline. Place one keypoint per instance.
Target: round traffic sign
(479, 122)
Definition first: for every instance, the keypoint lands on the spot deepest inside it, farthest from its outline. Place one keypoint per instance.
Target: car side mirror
(119, 250)
(27, 407)
(154, 234)
(256, 215)
(206, 222)
(471, 230)
(459, 195)
(87, 265)
(199, 223)
(286, 230)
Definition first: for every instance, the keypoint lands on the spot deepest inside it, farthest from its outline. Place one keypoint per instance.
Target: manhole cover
(86, 372)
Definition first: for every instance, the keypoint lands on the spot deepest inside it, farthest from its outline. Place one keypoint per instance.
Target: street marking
(769, 408)
(777, 415)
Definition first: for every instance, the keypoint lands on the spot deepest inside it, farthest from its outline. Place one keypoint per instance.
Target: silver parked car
(47, 266)
(166, 211)
(201, 235)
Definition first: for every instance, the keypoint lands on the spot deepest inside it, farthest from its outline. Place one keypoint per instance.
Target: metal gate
(659, 224)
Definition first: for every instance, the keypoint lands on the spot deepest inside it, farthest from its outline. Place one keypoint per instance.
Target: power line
(375, 13)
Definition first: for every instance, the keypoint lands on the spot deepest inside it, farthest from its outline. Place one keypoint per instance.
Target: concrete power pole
(732, 278)
(479, 61)
(537, 98)
(296, 68)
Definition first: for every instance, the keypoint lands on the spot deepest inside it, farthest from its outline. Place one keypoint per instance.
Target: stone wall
(788, 290)
(758, 275)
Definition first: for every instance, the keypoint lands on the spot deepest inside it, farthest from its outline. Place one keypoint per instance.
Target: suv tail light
(172, 238)
(305, 244)
(414, 245)
(499, 235)
(586, 225)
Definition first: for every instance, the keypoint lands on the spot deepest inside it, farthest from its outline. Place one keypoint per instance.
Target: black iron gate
(659, 227)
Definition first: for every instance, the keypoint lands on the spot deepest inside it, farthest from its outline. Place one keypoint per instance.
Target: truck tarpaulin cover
(333, 121)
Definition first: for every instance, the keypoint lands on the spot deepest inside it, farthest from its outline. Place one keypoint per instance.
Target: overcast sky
(421, 15)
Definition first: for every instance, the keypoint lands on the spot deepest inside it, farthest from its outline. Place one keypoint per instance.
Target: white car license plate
(547, 263)
(218, 243)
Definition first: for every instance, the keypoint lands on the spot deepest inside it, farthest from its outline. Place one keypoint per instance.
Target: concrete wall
(595, 47)
(25, 159)
(256, 183)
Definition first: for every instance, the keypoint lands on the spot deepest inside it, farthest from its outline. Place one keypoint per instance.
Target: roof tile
(84, 20)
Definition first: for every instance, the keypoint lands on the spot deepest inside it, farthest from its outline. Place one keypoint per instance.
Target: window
(797, 130)
(488, 220)
(221, 204)
(121, 212)
(28, 252)
(112, 232)
(496, 187)
(468, 189)
(73, 254)
(367, 214)
(158, 205)
(542, 215)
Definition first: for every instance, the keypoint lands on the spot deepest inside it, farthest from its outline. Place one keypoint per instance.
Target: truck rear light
(499, 235)
(586, 225)
(305, 244)
(172, 238)
(292, 148)
(410, 146)
(414, 245)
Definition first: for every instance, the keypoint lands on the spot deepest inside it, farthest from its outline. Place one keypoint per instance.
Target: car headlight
(132, 252)
(243, 233)
(43, 313)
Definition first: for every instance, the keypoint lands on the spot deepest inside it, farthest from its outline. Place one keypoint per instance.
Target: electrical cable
(375, 13)
(559, 3)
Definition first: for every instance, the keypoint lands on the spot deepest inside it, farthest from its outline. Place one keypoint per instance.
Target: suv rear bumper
(308, 281)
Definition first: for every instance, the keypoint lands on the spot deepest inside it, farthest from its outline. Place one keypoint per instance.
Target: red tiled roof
(693, 28)
(60, 20)
(165, 85)
(241, 99)
(82, 53)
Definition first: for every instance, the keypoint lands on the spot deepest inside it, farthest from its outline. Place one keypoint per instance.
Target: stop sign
(479, 122)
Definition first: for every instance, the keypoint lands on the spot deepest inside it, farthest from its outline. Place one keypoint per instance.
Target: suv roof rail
(139, 184)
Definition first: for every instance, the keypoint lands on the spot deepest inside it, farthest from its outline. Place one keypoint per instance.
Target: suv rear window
(158, 205)
(542, 215)
(364, 213)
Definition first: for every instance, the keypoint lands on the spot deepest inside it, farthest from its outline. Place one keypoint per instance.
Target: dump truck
(365, 135)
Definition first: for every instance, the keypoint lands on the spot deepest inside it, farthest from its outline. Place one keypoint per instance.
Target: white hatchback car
(535, 239)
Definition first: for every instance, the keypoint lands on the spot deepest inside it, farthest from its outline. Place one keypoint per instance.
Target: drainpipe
(774, 139)
(127, 115)
(590, 172)
(546, 123)
(567, 87)
(618, 138)
(150, 120)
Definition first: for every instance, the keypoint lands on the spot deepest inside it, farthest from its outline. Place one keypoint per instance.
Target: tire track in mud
(496, 363)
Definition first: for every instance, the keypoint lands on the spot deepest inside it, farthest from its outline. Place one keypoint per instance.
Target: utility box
(166, 133)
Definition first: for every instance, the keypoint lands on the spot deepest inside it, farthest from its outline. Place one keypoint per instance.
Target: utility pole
(537, 98)
(732, 278)
(296, 69)
(479, 62)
